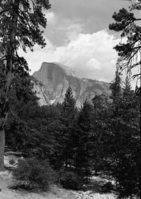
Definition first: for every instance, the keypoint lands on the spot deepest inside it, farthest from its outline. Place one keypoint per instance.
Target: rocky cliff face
(52, 81)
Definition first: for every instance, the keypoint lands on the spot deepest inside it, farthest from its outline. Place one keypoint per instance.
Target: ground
(91, 191)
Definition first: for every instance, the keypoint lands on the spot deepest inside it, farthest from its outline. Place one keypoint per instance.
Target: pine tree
(128, 146)
(125, 114)
(127, 88)
(99, 131)
(129, 52)
(20, 22)
(83, 148)
(68, 119)
(115, 86)
(125, 142)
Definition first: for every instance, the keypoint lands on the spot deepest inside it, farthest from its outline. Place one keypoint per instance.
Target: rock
(53, 79)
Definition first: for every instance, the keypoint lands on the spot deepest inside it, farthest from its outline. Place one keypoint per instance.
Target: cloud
(90, 55)
(113, 61)
(51, 17)
(35, 58)
(94, 14)
(73, 30)
(66, 19)
(62, 30)
(93, 64)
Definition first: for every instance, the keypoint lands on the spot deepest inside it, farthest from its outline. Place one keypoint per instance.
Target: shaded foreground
(91, 190)
(6, 181)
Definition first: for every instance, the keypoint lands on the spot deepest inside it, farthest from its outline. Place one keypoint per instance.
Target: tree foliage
(125, 142)
(20, 22)
(68, 120)
(83, 138)
(103, 136)
(129, 51)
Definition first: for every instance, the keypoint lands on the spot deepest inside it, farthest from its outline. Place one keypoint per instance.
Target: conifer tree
(99, 131)
(115, 86)
(127, 138)
(68, 119)
(84, 134)
(125, 142)
(20, 22)
(127, 90)
(125, 114)
(127, 24)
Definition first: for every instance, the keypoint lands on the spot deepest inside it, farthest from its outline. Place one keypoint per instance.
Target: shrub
(107, 187)
(71, 180)
(34, 174)
(12, 161)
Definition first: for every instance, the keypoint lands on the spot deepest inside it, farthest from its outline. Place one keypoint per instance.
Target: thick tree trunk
(2, 147)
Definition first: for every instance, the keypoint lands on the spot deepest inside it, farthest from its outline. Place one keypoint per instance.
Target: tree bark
(2, 147)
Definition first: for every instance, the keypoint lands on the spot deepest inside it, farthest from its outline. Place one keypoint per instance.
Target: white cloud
(93, 64)
(73, 31)
(35, 59)
(68, 29)
(90, 55)
(113, 61)
(51, 17)
(90, 47)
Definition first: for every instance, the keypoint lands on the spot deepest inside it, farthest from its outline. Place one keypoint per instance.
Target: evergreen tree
(125, 142)
(125, 113)
(15, 138)
(99, 132)
(127, 88)
(68, 120)
(129, 52)
(115, 86)
(83, 147)
(20, 22)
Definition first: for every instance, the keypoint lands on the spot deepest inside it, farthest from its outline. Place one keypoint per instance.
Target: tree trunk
(8, 67)
(96, 168)
(66, 163)
(2, 147)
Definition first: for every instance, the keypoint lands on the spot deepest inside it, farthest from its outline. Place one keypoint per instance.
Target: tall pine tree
(20, 22)
(68, 120)
(84, 133)
(99, 131)
(127, 24)
(125, 142)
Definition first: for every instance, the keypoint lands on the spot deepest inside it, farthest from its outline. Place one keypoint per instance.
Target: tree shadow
(98, 185)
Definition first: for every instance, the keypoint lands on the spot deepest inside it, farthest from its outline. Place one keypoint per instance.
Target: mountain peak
(56, 79)
(68, 70)
(52, 65)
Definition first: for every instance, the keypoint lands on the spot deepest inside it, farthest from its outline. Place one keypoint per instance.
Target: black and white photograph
(70, 99)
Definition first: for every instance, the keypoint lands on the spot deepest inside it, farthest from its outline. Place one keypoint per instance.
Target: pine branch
(3, 11)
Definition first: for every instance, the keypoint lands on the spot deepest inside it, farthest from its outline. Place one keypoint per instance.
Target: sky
(77, 36)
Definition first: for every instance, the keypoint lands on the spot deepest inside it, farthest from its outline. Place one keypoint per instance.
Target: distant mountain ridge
(52, 80)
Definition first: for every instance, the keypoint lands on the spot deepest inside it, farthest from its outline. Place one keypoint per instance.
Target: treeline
(102, 136)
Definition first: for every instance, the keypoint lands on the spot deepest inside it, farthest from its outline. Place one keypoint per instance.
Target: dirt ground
(91, 191)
